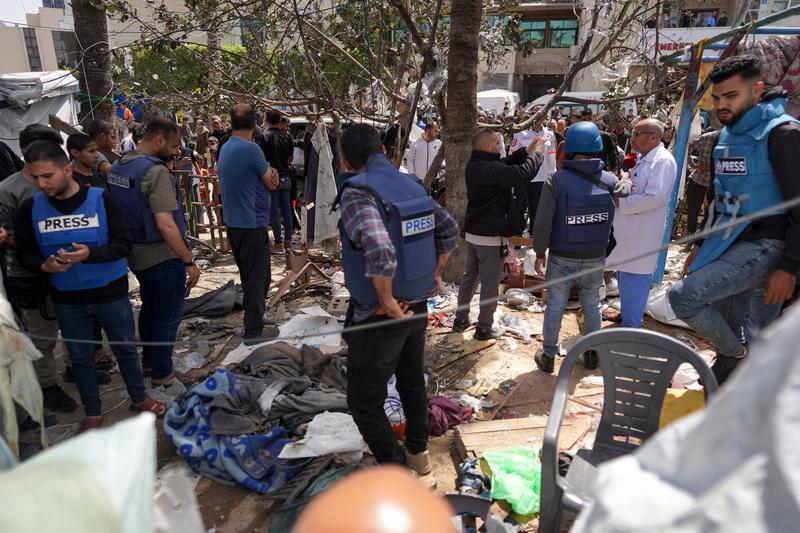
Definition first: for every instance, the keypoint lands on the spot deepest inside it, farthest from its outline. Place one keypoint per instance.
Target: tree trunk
(213, 57)
(95, 69)
(461, 113)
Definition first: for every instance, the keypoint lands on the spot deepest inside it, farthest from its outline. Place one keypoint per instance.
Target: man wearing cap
(576, 212)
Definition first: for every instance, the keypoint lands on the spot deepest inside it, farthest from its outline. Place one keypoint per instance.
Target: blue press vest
(743, 179)
(407, 212)
(125, 185)
(86, 225)
(584, 210)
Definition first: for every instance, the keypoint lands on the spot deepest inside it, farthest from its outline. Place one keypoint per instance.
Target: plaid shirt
(702, 147)
(363, 225)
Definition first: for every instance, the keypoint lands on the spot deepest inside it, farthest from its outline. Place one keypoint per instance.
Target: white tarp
(326, 222)
(731, 467)
(31, 98)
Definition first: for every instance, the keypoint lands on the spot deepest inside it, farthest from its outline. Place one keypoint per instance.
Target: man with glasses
(640, 218)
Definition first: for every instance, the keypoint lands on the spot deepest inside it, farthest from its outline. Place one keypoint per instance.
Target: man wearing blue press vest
(396, 241)
(150, 198)
(77, 238)
(574, 220)
(754, 168)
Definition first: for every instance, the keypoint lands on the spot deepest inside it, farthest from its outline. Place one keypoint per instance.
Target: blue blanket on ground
(251, 460)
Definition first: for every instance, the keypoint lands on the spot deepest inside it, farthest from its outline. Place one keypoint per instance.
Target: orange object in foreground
(385, 499)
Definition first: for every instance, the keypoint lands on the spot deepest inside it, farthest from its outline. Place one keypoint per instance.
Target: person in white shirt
(423, 151)
(639, 220)
(528, 195)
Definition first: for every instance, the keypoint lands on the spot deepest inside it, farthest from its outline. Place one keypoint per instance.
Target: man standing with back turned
(396, 241)
(150, 198)
(246, 180)
(755, 167)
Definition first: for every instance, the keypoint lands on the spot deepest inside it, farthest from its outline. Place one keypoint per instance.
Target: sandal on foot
(163, 381)
(89, 423)
(149, 405)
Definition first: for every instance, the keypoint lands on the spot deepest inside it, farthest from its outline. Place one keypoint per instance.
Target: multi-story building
(556, 29)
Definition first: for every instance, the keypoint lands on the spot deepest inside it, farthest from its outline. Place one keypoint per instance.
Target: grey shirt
(14, 190)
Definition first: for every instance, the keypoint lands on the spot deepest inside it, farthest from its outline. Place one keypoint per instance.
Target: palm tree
(94, 70)
(461, 115)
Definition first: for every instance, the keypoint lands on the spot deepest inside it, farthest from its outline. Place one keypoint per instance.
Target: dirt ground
(491, 375)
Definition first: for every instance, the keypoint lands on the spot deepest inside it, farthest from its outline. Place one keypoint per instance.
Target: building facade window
(32, 47)
(551, 32)
(57, 4)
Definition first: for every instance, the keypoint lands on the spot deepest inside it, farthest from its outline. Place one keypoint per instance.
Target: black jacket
(278, 148)
(491, 209)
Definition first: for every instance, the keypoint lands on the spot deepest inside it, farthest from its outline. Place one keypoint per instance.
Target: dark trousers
(251, 253)
(696, 194)
(528, 200)
(373, 355)
(116, 318)
(162, 288)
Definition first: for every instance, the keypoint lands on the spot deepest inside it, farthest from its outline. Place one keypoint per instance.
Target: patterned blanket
(251, 460)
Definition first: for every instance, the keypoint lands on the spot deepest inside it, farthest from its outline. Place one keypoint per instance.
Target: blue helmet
(583, 138)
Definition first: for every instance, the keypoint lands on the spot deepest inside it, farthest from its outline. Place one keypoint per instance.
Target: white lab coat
(523, 139)
(640, 220)
(421, 155)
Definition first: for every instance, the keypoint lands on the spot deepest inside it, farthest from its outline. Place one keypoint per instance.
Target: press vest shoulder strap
(591, 179)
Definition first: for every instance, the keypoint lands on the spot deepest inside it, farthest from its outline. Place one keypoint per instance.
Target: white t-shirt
(523, 139)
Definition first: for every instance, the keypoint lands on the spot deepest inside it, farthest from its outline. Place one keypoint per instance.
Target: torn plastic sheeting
(94, 472)
(176, 507)
(730, 467)
(516, 478)
(314, 327)
(328, 433)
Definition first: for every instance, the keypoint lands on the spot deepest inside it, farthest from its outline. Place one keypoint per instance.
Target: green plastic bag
(516, 478)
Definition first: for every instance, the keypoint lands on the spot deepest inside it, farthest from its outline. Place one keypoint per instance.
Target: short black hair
(359, 142)
(429, 125)
(79, 142)
(38, 132)
(160, 126)
(273, 117)
(46, 151)
(745, 66)
(243, 117)
(97, 127)
(586, 111)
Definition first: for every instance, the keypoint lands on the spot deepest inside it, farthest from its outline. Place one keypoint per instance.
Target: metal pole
(691, 95)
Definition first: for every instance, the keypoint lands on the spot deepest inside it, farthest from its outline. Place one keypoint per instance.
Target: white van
(573, 108)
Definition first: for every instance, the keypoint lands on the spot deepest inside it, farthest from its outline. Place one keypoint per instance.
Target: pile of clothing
(233, 426)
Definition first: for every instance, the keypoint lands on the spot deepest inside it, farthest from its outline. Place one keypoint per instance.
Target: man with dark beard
(755, 168)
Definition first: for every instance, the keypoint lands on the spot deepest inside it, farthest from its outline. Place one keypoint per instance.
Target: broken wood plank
(469, 348)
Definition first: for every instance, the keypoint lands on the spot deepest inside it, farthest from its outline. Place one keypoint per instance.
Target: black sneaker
(56, 399)
(484, 334)
(267, 334)
(546, 364)
(103, 378)
(460, 325)
(723, 367)
(590, 360)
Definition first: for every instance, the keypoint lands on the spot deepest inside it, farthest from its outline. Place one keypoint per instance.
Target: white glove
(623, 188)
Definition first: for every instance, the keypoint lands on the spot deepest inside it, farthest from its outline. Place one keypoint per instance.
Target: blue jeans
(281, 210)
(116, 319)
(558, 295)
(634, 290)
(715, 300)
(759, 315)
(162, 288)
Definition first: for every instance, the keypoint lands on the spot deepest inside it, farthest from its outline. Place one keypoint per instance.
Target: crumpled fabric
(219, 302)
(238, 413)
(779, 59)
(248, 459)
(443, 414)
(18, 381)
(283, 360)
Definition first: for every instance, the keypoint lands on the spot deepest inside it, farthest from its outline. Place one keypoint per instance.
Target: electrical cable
(768, 211)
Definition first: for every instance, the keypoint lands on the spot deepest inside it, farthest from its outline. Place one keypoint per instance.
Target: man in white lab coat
(640, 219)
(528, 195)
(423, 151)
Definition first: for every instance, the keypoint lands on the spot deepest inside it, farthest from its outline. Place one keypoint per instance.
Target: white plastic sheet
(326, 221)
(731, 467)
(659, 308)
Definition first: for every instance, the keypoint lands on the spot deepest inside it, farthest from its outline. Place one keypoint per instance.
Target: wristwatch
(189, 263)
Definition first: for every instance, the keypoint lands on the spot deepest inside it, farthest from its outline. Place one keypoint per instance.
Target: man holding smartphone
(78, 239)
